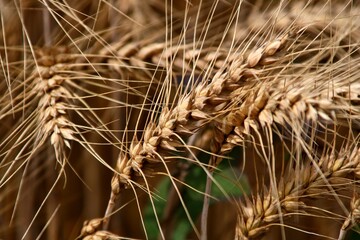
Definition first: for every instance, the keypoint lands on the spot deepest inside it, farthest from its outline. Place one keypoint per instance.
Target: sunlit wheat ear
(319, 48)
(193, 111)
(310, 181)
(312, 46)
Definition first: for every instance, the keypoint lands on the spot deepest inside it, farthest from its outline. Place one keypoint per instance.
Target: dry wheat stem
(337, 169)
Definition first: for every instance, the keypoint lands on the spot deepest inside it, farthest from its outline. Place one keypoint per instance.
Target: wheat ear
(44, 102)
(193, 111)
(255, 216)
(53, 117)
(281, 103)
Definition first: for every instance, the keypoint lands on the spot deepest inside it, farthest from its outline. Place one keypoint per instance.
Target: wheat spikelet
(88, 232)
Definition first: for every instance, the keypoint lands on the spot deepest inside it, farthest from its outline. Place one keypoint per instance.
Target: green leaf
(229, 180)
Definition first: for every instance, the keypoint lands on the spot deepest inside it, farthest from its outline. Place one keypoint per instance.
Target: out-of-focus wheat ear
(150, 56)
(90, 227)
(338, 170)
(352, 219)
(54, 100)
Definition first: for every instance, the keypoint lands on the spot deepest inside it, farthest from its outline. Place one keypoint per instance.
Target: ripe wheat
(124, 97)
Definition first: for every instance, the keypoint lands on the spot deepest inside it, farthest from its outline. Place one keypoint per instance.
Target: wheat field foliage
(179, 119)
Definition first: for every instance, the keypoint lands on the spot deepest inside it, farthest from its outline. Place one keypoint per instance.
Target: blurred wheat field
(190, 119)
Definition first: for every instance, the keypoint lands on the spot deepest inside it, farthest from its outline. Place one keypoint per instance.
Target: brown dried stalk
(255, 216)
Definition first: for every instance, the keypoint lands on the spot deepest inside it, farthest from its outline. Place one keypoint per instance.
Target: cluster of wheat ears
(190, 119)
